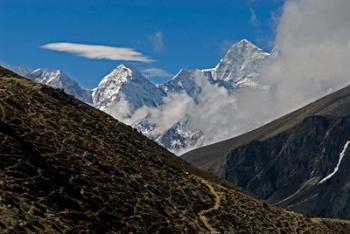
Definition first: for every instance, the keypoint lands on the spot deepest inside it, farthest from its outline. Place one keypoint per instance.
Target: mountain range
(66, 167)
(126, 94)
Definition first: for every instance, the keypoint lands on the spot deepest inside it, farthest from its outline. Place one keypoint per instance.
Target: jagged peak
(41, 72)
(126, 68)
(245, 42)
(48, 77)
(121, 74)
(243, 46)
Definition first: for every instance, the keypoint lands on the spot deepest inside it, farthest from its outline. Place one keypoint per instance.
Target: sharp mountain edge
(299, 161)
(129, 96)
(67, 167)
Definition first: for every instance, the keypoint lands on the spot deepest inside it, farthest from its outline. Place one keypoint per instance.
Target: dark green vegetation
(67, 167)
(284, 161)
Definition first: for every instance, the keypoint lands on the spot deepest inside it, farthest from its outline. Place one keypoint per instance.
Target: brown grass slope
(67, 167)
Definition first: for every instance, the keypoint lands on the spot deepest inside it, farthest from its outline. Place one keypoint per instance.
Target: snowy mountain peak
(126, 68)
(245, 43)
(121, 74)
(58, 79)
(21, 70)
(125, 83)
(242, 50)
(55, 78)
(241, 62)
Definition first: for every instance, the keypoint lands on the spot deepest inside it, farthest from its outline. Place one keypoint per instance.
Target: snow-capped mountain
(239, 66)
(242, 61)
(237, 69)
(58, 79)
(167, 113)
(21, 70)
(125, 90)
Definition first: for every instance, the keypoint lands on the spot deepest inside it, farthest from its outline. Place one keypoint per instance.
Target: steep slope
(126, 88)
(58, 79)
(67, 167)
(299, 161)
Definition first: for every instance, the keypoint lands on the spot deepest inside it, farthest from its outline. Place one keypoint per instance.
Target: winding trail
(216, 206)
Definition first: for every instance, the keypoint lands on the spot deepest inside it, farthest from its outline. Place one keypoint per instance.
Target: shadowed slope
(299, 161)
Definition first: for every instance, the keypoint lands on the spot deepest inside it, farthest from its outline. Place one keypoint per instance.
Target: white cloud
(174, 108)
(313, 41)
(313, 44)
(98, 51)
(156, 72)
(157, 41)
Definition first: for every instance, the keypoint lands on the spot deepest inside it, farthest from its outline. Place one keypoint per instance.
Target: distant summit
(126, 84)
(60, 80)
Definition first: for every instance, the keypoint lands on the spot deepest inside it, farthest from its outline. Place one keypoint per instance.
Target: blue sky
(175, 34)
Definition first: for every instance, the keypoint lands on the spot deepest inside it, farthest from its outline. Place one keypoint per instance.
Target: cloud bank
(310, 60)
(313, 50)
(98, 51)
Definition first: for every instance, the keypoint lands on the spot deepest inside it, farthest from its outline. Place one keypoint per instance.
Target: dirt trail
(216, 206)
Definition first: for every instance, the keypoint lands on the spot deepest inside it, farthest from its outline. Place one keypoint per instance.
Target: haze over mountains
(175, 113)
